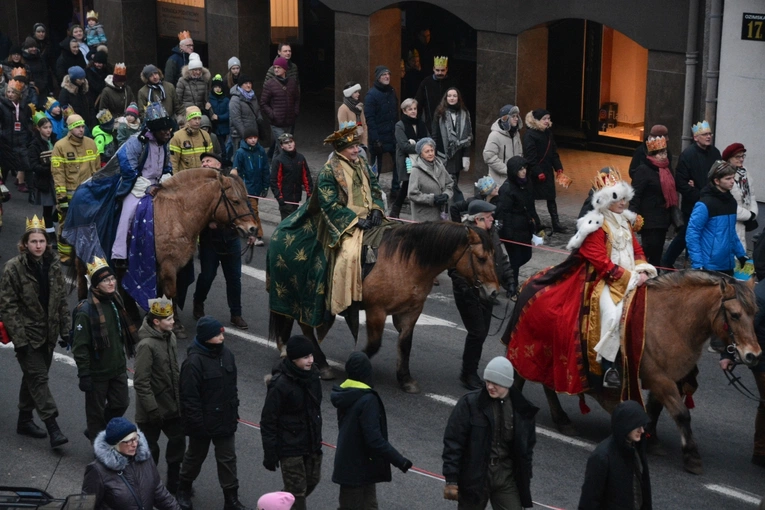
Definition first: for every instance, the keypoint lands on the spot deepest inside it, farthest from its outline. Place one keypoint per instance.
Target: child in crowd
(56, 116)
(94, 32)
(40, 150)
(103, 135)
(290, 176)
(219, 103)
(131, 126)
(251, 163)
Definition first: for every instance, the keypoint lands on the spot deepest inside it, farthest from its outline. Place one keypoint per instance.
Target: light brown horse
(683, 310)
(409, 259)
(183, 206)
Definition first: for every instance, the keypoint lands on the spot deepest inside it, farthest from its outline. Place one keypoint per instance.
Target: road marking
(443, 399)
(423, 320)
(734, 493)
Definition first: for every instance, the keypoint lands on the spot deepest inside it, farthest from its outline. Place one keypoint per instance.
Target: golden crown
(606, 177)
(16, 85)
(184, 35)
(104, 116)
(50, 102)
(92, 15)
(35, 223)
(161, 307)
(98, 263)
(656, 143)
(120, 69)
(440, 61)
(18, 71)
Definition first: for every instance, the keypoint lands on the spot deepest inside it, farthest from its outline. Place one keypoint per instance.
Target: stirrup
(612, 379)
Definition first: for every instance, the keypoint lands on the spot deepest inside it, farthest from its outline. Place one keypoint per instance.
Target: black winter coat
(97, 82)
(66, 60)
(21, 138)
(290, 423)
(38, 74)
(609, 478)
(209, 397)
(429, 96)
(41, 178)
(516, 211)
(541, 155)
(694, 165)
(77, 97)
(364, 454)
(290, 176)
(381, 111)
(649, 200)
(468, 438)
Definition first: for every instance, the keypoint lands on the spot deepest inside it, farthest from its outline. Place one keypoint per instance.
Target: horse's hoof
(693, 464)
(410, 386)
(568, 429)
(327, 373)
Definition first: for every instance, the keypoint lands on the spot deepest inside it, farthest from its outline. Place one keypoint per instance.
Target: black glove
(264, 193)
(64, 342)
(405, 466)
(364, 223)
(281, 201)
(440, 199)
(375, 218)
(86, 383)
(743, 260)
(511, 287)
(22, 350)
(377, 148)
(270, 462)
(753, 216)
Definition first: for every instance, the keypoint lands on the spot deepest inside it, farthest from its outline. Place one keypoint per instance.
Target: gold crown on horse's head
(608, 176)
(161, 307)
(98, 263)
(35, 224)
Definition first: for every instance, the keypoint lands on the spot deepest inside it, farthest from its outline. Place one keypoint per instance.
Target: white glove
(140, 187)
(164, 178)
(465, 164)
(412, 142)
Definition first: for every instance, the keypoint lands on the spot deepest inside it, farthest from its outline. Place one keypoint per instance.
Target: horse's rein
(476, 281)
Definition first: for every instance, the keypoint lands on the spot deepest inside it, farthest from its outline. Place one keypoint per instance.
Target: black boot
(471, 381)
(57, 438)
(26, 426)
(183, 496)
(552, 208)
(173, 472)
(395, 211)
(231, 498)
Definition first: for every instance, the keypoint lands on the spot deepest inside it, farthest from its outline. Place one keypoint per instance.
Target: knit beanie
(217, 81)
(249, 132)
(193, 111)
(208, 327)
(148, 71)
(76, 73)
(29, 42)
(359, 368)
(117, 429)
(99, 276)
(379, 71)
(195, 62)
(422, 142)
(499, 371)
(276, 501)
(281, 62)
(100, 57)
(233, 61)
(132, 109)
(298, 346)
(539, 113)
(243, 78)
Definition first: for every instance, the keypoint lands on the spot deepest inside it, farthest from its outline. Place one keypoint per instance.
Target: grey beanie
(422, 142)
(379, 71)
(499, 371)
(148, 71)
(233, 61)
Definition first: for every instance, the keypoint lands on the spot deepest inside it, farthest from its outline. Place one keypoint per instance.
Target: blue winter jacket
(711, 235)
(219, 105)
(252, 165)
(381, 112)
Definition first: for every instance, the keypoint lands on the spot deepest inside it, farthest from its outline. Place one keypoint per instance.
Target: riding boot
(183, 496)
(231, 500)
(552, 208)
(199, 309)
(57, 438)
(178, 329)
(26, 426)
(173, 473)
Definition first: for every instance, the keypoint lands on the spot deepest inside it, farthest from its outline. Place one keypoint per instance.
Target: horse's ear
(472, 236)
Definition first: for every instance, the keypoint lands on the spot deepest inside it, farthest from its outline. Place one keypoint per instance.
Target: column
(665, 88)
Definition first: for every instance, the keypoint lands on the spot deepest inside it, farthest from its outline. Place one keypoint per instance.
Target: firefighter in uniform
(189, 143)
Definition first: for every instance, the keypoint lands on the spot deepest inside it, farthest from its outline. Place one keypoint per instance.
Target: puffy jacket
(252, 165)
(711, 234)
(27, 321)
(175, 62)
(290, 176)
(426, 181)
(39, 155)
(95, 35)
(541, 155)
(693, 165)
(157, 376)
(649, 199)
(292, 72)
(242, 114)
(209, 397)
(610, 474)
(102, 478)
(516, 210)
(114, 99)
(73, 161)
(364, 454)
(467, 444)
(290, 423)
(501, 145)
(281, 101)
(220, 108)
(381, 111)
(193, 91)
(77, 97)
(146, 95)
(186, 149)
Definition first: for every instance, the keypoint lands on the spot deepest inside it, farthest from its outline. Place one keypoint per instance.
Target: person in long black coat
(619, 464)
(541, 155)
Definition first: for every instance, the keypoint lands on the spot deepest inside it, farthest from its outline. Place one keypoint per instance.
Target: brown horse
(183, 206)
(409, 259)
(683, 310)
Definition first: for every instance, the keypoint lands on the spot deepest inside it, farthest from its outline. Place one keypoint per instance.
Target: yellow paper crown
(92, 15)
(606, 177)
(35, 223)
(184, 35)
(440, 61)
(656, 143)
(161, 307)
(98, 263)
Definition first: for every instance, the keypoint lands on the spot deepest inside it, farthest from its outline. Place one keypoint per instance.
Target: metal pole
(713, 72)
(691, 59)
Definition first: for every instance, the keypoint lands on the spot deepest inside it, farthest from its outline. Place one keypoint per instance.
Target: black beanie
(539, 113)
(243, 78)
(208, 328)
(100, 275)
(249, 132)
(298, 347)
(359, 368)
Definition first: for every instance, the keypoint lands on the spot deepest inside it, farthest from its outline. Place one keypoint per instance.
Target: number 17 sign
(753, 27)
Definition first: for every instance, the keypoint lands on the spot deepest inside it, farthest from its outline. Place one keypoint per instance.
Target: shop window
(285, 21)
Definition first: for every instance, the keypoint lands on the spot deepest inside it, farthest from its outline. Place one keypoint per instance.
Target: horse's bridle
(476, 283)
(732, 346)
(230, 209)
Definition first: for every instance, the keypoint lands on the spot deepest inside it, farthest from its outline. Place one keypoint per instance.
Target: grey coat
(500, 147)
(425, 182)
(242, 114)
(102, 478)
(193, 92)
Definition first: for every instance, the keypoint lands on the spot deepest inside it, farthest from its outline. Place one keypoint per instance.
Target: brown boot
(237, 321)
(199, 309)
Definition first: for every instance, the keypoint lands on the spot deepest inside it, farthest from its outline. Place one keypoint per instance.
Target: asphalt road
(722, 420)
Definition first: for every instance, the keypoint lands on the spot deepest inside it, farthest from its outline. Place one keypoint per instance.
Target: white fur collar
(591, 222)
(114, 460)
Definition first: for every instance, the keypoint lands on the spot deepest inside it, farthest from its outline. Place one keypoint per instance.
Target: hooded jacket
(39, 153)
(157, 376)
(220, 108)
(175, 62)
(711, 235)
(612, 470)
(515, 206)
(693, 165)
(541, 155)
(192, 91)
(147, 95)
(67, 59)
(76, 96)
(115, 99)
(501, 145)
(290, 176)
(38, 72)
(252, 165)
(102, 478)
(96, 80)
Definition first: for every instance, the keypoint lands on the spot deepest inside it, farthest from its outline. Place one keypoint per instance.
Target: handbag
(750, 225)
(677, 216)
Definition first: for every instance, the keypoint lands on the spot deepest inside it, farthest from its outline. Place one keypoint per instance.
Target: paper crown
(104, 116)
(18, 71)
(37, 117)
(161, 307)
(155, 111)
(50, 102)
(485, 185)
(120, 69)
(16, 85)
(701, 127)
(440, 61)
(606, 177)
(184, 35)
(92, 15)
(98, 263)
(68, 112)
(35, 224)
(656, 143)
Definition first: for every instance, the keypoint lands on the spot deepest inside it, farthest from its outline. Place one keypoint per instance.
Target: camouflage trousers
(301, 475)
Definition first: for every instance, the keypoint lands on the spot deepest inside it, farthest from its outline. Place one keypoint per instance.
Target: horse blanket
(140, 280)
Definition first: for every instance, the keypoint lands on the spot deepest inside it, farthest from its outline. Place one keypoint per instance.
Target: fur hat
(499, 371)
(733, 149)
(298, 346)
(118, 429)
(610, 188)
(195, 62)
(348, 92)
(249, 132)
(281, 62)
(233, 61)
(276, 501)
(208, 328)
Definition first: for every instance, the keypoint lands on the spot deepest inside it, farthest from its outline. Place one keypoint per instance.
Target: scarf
(246, 95)
(455, 134)
(667, 181)
(412, 128)
(742, 180)
(40, 272)
(354, 106)
(156, 89)
(211, 348)
(98, 328)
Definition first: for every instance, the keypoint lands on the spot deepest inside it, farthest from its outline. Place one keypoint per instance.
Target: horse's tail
(279, 328)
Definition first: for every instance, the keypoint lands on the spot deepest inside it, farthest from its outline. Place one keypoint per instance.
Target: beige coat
(498, 149)
(344, 114)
